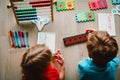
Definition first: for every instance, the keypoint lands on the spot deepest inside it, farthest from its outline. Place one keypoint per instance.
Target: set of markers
(18, 39)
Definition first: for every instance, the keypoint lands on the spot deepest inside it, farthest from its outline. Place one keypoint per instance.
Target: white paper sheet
(106, 22)
(47, 38)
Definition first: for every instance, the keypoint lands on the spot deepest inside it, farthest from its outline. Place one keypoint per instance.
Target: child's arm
(62, 68)
(60, 60)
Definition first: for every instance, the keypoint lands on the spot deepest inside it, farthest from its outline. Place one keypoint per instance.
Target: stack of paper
(47, 38)
(106, 22)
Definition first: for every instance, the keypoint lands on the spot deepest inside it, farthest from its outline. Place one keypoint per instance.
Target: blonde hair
(101, 47)
(35, 60)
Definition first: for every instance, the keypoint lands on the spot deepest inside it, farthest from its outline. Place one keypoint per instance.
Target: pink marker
(21, 39)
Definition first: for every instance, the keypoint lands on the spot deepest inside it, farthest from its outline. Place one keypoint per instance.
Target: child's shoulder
(115, 61)
(84, 65)
(85, 62)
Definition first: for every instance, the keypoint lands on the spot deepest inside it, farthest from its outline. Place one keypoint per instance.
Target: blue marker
(27, 40)
(18, 39)
(15, 38)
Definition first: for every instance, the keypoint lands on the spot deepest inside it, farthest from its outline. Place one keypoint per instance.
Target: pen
(21, 38)
(15, 38)
(12, 35)
(18, 39)
(10, 38)
(27, 39)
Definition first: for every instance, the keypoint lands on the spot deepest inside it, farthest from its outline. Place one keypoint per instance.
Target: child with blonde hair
(37, 64)
(103, 60)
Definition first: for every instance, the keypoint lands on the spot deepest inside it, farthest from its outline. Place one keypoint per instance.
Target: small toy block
(93, 5)
(76, 39)
(98, 4)
(80, 17)
(115, 2)
(65, 5)
(85, 16)
(69, 5)
(102, 4)
(60, 6)
(118, 7)
(90, 16)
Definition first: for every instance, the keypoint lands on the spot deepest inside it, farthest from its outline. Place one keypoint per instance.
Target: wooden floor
(64, 25)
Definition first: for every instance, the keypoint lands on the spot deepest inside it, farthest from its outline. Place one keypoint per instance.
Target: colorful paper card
(97, 4)
(64, 5)
(106, 22)
(85, 16)
(115, 1)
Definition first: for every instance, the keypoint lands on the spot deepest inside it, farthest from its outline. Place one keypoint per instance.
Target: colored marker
(18, 39)
(21, 39)
(13, 39)
(10, 38)
(27, 39)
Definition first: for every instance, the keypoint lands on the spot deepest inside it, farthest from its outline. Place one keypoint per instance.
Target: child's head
(35, 60)
(101, 47)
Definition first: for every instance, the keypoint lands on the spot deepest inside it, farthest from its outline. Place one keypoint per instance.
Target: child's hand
(58, 58)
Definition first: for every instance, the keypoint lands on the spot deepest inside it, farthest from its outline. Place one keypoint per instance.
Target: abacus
(26, 11)
(76, 38)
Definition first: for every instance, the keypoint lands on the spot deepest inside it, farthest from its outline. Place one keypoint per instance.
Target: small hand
(59, 58)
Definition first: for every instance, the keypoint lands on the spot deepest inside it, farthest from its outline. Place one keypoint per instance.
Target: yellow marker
(10, 38)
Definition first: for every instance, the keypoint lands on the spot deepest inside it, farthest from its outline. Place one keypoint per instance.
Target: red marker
(12, 35)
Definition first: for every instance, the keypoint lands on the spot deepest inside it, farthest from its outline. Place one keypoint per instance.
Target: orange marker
(10, 38)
